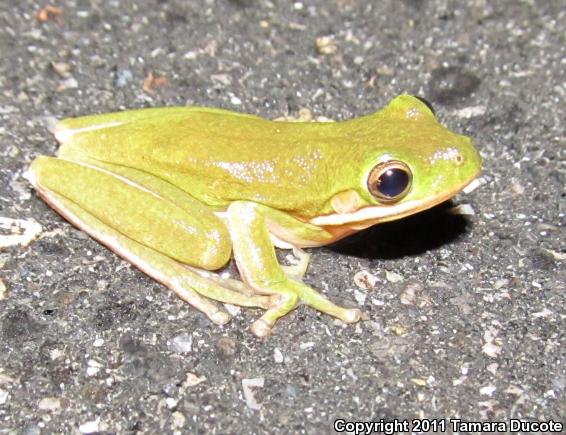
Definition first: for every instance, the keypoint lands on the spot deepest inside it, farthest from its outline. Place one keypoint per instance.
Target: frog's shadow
(409, 236)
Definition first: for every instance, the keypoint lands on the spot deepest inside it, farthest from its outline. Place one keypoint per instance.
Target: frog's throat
(368, 216)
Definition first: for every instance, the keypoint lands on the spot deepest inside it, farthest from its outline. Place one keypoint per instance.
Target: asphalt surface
(466, 312)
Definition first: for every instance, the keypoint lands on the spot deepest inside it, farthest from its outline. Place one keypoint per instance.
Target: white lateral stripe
(64, 134)
(379, 211)
(365, 214)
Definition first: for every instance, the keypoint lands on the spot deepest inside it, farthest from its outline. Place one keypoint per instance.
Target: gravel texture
(466, 312)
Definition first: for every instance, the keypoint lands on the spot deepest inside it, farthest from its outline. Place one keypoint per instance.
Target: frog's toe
(220, 317)
(321, 303)
(284, 302)
(260, 328)
(352, 315)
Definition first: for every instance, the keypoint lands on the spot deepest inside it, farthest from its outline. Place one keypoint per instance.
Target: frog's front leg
(248, 224)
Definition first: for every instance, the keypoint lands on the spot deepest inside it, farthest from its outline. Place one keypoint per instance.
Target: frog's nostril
(449, 154)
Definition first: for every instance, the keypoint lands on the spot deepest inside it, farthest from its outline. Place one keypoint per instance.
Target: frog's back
(190, 131)
(214, 154)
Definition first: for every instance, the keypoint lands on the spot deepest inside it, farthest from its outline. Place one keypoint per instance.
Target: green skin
(176, 191)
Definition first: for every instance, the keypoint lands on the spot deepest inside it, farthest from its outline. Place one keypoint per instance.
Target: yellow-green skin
(177, 191)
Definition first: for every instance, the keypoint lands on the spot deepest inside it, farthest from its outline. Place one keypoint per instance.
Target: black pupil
(393, 182)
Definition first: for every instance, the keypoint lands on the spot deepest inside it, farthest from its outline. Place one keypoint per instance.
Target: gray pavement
(466, 313)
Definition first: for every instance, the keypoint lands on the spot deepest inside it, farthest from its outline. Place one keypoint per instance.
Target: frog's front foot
(287, 296)
(261, 271)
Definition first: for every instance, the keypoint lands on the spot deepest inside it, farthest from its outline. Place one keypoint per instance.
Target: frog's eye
(389, 181)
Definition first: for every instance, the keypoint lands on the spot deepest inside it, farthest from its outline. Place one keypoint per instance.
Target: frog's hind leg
(160, 267)
(228, 283)
(53, 179)
(227, 290)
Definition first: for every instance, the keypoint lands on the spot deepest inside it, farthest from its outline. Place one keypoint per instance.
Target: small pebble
(49, 404)
(277, 356)
(171, 402)
(3, 290)
(410, 292)
(360, 297)
(487, 390)
(470, 112)
(326, 45)
(123, 78)
(193, 380)
(393, 276)
(90, 426)
(61, 68)
(179, 419)
(68, 83)
(181, 343)
(234, 310)
(98, 342)
(249, 386)
(365, 280)
(3, 396)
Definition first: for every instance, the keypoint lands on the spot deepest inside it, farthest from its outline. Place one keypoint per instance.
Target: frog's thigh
(186, 283)
(255, 256)
(190, 233)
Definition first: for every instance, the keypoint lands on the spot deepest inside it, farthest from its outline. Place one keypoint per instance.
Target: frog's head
(406, 162)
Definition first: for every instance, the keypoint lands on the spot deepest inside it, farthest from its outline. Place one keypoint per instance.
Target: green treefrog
(179, 191)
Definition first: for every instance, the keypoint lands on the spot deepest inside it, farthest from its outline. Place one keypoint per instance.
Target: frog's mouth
(368, 216)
